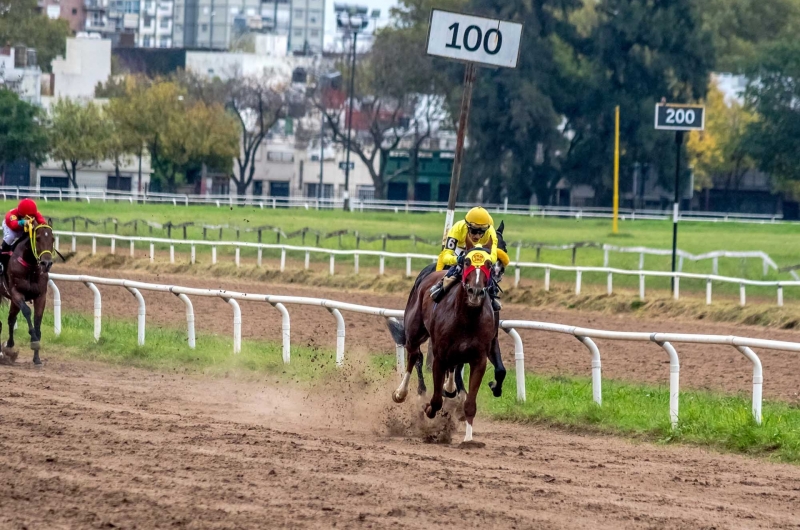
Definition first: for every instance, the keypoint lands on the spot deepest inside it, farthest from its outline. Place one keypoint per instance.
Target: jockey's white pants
(9, 236)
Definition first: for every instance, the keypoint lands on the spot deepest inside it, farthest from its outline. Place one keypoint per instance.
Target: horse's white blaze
(468, 437)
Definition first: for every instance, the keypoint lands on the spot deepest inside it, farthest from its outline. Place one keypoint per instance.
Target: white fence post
(133, 252)
(758, 380)
(715, 265)
(56, 307)
(236, 259)
(98, 309)
(56, 245)
(190, 337)
(213, 255)
(355, 263)
(578, 282)
(742, 298)
(641, 287)
(674, 382)
(547, 279)
(152, 252)
(519, 364)
(260, 256)
(283, 259)
(408, 266)
(285, 332)
(605, 257)
(609, 283)
(307, 260)
(516, 277)
(597, 373)
(113, 245)
(780, 295)
(677, 290)
(708, 291)
(333, 265)
(172, 254)
(194, 255)
(74, 247)
(339, 335)
(641, 261)
(237, 325)
(381, 265)
(140, 316)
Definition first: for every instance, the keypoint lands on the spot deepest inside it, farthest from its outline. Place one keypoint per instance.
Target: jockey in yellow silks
(477, 229)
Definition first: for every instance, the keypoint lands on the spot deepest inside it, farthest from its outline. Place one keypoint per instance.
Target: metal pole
(463, 120)
(321, 154)
(346, 194)
(615, 224)
(676, 205)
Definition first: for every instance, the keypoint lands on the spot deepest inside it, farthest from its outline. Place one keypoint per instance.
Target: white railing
(219, 200)
(408, 257)
(664, 340)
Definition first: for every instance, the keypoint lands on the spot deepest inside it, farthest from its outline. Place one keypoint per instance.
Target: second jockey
(14, 227)
(477, 228)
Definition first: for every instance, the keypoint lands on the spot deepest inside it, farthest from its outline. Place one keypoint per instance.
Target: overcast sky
(330, 19)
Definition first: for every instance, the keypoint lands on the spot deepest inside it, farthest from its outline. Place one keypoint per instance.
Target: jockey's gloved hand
(460, 260)
(22, 222)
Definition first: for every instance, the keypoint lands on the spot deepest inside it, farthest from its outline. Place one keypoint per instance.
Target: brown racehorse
(25, 280)
(461, 328)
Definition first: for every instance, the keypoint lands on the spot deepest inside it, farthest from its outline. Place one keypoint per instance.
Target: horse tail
(397, 330)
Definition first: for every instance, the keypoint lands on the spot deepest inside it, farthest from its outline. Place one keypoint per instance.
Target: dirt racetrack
(702, 366)
(86, 445)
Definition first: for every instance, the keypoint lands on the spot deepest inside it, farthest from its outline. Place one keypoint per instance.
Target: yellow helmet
(479, 217)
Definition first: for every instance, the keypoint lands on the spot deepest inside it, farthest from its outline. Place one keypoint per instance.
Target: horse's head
(502, 254)
(475, 278)
(42, 242)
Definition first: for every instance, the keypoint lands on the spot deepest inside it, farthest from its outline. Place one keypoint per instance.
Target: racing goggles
(476, 230)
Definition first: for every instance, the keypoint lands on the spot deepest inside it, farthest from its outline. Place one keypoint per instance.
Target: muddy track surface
(85, 445)
(702, 366)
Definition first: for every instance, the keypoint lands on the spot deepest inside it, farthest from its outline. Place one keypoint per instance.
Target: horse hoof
(497, 391)
(397, 398)
(450, 395)
(429, 412)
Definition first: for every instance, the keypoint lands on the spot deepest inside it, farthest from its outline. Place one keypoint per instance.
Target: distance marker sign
(680, 117)
(474, 39)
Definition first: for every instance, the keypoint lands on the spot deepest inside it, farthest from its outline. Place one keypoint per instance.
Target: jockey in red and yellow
(14, 227)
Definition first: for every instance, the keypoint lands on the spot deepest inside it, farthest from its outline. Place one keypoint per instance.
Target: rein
(31, 231)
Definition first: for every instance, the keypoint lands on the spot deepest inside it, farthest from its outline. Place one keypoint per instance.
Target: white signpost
(678, 118)
(476, 41)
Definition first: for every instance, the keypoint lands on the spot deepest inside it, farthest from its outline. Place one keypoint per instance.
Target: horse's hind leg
(438, 382)
(459, 379)
(499, 370)
(38, 312)
(450, 386)
(421, 389)
(13, 311)
(476, 371)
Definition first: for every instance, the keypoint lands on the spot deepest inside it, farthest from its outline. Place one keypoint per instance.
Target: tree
(773, 91)
(22, 23)
(78, 135)
(22, 137)
(119, 146)
(720, 150)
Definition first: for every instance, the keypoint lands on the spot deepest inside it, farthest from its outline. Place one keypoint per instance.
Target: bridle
(31, 231)
(484, 267)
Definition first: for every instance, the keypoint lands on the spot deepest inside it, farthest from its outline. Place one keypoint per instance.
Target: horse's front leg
(421, 389)
(13, 311)
(438, 382)
(38, 313)
(499, 370)
(476, 371)
(19, 301)
(450, 386)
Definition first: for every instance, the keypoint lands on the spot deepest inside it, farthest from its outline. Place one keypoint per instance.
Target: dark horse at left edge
(25, 280)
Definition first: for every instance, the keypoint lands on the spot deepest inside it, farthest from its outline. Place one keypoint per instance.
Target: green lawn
(777, 240)
(629, 409)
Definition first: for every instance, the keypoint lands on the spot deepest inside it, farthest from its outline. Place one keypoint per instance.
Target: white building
(20, 73)
(155, 24)
(226, 65)
(86, 63)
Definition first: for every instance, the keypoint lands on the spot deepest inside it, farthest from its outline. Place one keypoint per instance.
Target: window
(365, 193)
(298, 13)
(204, 28)
(53, 182)
(313, 15)
(165, 23)
(74, 11)
(148, 5)
(258, 187)
(312, 188)
(148, 21)
(298, 33)
(118, 183)
(314, 33)
(163, 42)
(278, 156)
(278, 189)
(147, 41)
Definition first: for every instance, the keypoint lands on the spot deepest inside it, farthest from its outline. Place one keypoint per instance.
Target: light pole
(350, 19)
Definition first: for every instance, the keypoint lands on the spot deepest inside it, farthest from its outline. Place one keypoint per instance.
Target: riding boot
(496, 305)
(5, 256)
(441, 288)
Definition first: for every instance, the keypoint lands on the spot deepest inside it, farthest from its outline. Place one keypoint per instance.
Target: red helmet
(27, 208)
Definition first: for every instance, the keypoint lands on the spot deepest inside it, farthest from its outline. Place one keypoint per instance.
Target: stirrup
(496, 305)
(436, 292)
